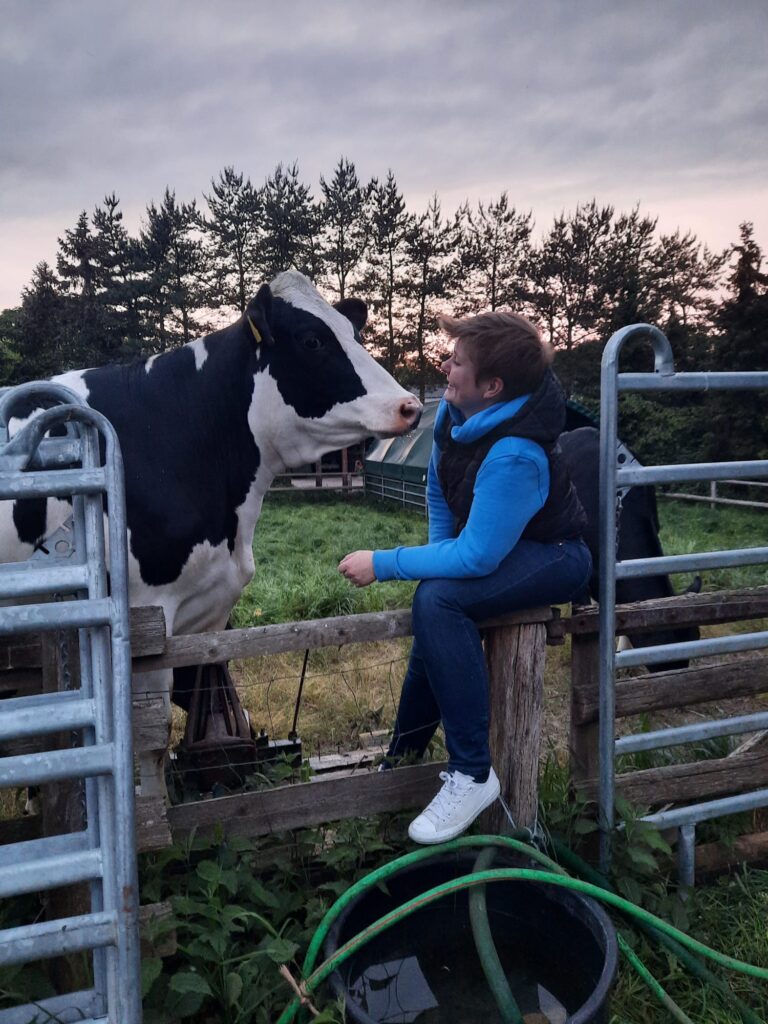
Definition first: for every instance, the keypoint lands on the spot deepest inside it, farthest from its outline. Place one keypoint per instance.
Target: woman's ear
(494, 388)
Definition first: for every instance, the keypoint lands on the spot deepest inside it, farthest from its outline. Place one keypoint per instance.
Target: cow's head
(317, 388)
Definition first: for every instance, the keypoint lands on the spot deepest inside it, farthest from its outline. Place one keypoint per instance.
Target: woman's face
(464, 391)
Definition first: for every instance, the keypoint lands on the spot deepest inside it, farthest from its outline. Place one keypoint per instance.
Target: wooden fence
(515, 647)
(515, 650)
(743, 770)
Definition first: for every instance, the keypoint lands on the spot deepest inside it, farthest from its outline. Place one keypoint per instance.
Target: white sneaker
(454, 808)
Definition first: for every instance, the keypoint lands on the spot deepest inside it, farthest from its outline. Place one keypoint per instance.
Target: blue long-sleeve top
(511, 486)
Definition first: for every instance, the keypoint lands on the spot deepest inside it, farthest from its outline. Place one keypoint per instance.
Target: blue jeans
(447, 678)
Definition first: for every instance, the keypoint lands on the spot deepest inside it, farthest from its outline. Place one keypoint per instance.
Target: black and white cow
(638, 535)
(205, 428)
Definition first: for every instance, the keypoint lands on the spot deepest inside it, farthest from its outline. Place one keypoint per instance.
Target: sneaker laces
(451, 793)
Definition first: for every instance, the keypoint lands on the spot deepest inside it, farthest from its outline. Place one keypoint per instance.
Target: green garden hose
(690, 962)
(554, 876)
(493, 968)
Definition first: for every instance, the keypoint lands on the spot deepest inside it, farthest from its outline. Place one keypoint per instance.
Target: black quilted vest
(541, 419)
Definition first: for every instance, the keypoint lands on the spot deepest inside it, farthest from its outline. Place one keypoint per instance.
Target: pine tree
(290, 225)
(84, 320)
(565, 272)
(740, 423)
(42, 326)
(384, 278)
(430, 248)
(344, 224)
(495, 255)
(117, 259)
(172, 264)
(232, 233)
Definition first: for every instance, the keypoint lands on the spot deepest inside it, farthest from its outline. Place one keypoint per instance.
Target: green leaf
(188, 981)
(261, 895)
(656, 841)
(151, 970)
(280, 951)
(234, 984)
(209, 871)
(584, 826)
(641, 858)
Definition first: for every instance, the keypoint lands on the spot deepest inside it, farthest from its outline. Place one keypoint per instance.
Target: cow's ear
(355, 310)
(258, 314)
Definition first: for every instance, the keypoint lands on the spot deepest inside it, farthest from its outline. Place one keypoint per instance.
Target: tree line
(194, 265)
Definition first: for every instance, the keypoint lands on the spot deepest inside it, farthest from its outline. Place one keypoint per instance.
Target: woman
(504, 534)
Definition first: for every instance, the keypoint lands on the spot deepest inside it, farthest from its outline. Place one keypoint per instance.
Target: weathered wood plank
(583, 737)
(515, 657)
(152, 828)
(680, 783)
(713, 857)
(210, 648)
(310, 803)
(23, 652)
(680, 610)
(679, 688)
(150, 723)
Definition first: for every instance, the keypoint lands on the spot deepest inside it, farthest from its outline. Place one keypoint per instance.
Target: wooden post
(583, 745)
(515, 656)
(62, 805)
(345, 468)
(318, 474)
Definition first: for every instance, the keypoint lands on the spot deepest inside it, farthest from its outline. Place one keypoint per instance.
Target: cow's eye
(312, 342)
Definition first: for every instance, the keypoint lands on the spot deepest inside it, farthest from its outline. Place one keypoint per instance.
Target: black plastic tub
(557, 947)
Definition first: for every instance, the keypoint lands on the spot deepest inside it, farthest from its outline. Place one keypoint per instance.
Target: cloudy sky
(663, 103)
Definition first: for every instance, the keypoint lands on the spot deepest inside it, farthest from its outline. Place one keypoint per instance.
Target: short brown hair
(505, 345)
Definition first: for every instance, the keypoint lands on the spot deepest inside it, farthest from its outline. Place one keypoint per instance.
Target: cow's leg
(153, 690)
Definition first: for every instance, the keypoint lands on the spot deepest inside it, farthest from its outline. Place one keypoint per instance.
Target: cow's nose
(410, 410)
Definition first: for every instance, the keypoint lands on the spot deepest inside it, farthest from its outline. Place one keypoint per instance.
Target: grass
(688, 527)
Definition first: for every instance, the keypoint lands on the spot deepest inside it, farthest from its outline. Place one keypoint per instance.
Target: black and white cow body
(638, 535)
(206, 427)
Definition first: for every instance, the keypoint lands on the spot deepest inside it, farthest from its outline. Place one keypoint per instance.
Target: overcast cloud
(665, 103)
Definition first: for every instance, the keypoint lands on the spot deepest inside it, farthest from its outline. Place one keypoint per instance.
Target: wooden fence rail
(747, 676)
(515, 647)
(516, 650)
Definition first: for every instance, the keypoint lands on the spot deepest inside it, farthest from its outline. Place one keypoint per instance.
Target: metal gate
(75, 580)
(613, 478)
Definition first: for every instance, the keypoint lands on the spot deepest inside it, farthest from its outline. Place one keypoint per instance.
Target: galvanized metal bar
(102, 620)
(127, 956)
(27, 618)
(633, 568)
(660, 653)
(48, 846)
(68, 1009)
(60, 483)
(50, 873)
(664, 364)
(29, 579)
(686, 857)
(693, 733)
(638, 476)
(725, 381)
(47, 939)
(53, 715)
(51, 765)
(708, 810)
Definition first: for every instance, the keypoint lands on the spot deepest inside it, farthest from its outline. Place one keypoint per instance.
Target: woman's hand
(357, 566)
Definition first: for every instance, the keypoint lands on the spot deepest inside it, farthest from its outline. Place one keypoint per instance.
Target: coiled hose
(554, 875)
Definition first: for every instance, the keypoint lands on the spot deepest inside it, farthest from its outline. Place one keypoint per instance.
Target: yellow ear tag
(254, 331)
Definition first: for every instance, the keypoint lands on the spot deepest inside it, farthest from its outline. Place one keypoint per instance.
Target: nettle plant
(241, 908)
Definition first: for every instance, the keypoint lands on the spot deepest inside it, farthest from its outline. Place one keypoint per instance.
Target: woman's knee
(430, 598)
